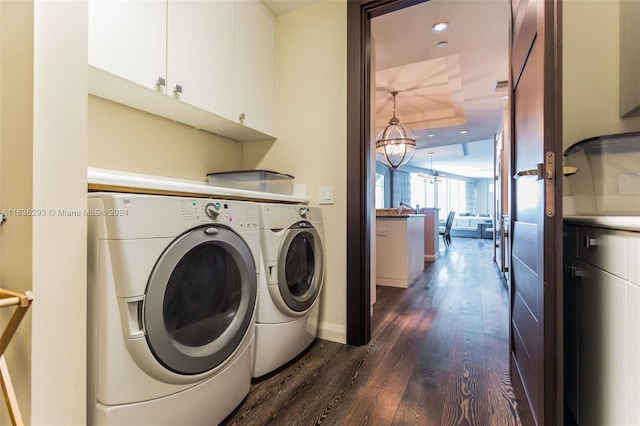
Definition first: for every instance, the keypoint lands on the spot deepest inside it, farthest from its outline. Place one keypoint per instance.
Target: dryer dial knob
(211, 210)
(303, 211)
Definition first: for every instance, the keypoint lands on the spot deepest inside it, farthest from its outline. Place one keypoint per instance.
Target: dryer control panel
(310, 214)
(238, 214)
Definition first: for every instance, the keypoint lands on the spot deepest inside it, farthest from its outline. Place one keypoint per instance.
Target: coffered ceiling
(447, 91)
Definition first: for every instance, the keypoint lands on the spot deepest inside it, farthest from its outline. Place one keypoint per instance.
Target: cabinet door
(201, 54)
(634, 323)
(128, 39)
(571, 315)
(603, 343)
(605, 249)
(634, 355)
(255, 66)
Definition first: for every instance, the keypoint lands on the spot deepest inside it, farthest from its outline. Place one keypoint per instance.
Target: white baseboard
(332, 332)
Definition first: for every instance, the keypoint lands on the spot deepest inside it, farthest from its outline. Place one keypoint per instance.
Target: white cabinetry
(601, 305)
(200, 53)
(255, 66)
(213, 62)
(128, 39)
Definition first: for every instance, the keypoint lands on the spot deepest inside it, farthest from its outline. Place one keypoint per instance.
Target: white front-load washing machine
(172, 293)
(290, 280)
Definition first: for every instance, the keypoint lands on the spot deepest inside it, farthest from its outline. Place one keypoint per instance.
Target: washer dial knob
(212, 210)
(303, 211)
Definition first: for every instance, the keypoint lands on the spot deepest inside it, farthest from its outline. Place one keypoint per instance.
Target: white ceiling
(441, 90)
(445, 90)
(280, 7)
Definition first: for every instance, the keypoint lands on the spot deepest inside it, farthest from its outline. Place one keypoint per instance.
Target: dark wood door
(536, 326)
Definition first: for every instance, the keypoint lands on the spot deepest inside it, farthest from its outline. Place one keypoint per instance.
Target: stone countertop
(624, 223)
(391, 213)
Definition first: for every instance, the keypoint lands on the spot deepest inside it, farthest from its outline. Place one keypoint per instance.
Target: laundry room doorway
(433, 81)
(546, 33)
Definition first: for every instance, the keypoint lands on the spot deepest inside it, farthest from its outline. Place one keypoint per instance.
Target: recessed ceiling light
(430, 135)
(443, 44)
(462, 132)
(440, 26)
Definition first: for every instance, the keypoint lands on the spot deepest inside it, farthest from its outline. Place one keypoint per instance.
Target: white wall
(591, 78)
(59, 243)
(312, 125)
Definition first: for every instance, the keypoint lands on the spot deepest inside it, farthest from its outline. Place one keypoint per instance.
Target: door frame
(360, 200)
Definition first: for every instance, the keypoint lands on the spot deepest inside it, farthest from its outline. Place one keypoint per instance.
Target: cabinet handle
(573, 271)
(241, 117)
(177, 89)
(161, 82)
(590, 242)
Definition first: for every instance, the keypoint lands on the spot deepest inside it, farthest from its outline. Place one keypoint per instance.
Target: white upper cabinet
(206, 63)
(128, 39)
(200, 54)
(255, 65)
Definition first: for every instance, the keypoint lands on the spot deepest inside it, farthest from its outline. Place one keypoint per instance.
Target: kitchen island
(399, 247)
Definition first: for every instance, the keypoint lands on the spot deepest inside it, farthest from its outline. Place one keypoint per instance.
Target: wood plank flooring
(438, 355)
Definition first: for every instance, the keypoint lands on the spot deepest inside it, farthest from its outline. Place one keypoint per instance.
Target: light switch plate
(325, 195)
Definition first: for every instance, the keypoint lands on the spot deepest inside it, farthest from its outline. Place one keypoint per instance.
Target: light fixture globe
(395, 145)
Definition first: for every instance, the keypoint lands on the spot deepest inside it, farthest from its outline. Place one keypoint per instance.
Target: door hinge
(550, 183)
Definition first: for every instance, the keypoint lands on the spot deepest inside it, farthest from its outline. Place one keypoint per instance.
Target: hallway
(438, 356)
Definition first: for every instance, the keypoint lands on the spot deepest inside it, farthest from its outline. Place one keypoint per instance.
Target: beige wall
(16, 167)
(591, 71)
(43, 154)
(127, 139)
(311, 143)
(591, 79)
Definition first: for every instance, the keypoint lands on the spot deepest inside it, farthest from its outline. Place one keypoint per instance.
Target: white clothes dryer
(290, 280)
(172, 293)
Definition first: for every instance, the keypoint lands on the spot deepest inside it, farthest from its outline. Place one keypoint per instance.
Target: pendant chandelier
(395, 145)
(431, 177)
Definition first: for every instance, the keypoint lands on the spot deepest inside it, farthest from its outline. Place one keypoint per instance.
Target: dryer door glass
(300, 267)
(200, 300)
(202, 296)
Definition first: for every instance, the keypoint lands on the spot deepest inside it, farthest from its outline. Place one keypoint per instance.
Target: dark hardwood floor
(438, 355)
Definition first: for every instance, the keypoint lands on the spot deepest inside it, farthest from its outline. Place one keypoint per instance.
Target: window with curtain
(456, 196)
(379, 191)
(447, 195)
(401, 189)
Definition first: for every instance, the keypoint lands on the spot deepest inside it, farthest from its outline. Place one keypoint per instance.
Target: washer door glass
(200, 300)
(300, 267)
